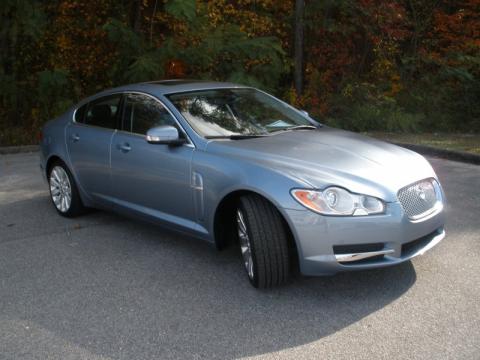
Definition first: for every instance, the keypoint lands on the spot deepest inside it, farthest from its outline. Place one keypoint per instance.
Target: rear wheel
(63, 191)
(263, 242)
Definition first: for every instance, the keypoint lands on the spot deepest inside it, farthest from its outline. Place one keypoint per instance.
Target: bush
(369, 117)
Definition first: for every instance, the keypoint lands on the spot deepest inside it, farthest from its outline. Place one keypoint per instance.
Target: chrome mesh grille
(418, 199)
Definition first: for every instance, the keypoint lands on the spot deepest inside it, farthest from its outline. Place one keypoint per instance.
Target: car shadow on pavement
(121, 288)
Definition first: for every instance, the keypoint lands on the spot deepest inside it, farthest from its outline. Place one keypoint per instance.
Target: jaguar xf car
(235, 166)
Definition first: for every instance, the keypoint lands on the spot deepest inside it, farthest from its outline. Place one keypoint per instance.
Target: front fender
(222, 176)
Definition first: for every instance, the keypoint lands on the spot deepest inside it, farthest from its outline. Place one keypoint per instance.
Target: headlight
(338, 201)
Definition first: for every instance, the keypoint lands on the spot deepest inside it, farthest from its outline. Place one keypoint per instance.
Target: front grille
(418, 199)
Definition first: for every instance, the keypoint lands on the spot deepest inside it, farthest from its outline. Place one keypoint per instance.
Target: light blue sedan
(231, 164)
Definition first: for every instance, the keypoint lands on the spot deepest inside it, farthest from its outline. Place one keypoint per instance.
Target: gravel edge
(443, 153)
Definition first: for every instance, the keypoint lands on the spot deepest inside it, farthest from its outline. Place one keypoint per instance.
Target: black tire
(76, 207)
(268, 240)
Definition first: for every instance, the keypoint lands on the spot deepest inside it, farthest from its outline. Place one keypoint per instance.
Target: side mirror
(165, 134)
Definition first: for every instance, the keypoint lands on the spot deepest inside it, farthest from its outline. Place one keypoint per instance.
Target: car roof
(163, 87)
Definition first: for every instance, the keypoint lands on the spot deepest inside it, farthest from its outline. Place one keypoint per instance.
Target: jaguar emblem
(421, 193)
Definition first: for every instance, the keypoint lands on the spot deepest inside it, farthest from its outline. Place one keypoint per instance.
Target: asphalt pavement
(102, 286)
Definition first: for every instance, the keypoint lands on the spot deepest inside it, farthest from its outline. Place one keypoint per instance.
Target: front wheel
(263, 242)
(64, 192)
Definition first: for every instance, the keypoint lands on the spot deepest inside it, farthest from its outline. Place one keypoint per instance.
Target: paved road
(105, 287)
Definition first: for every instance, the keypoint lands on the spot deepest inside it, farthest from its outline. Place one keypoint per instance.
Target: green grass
(459, 142)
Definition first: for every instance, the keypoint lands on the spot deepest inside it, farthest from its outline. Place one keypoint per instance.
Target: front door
(151, 179)
(88, 141)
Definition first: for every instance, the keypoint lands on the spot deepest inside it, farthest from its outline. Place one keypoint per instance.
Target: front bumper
(390, 239)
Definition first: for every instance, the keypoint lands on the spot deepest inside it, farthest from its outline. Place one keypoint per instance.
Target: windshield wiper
(235, 137)
(250, 136)
(299, 127)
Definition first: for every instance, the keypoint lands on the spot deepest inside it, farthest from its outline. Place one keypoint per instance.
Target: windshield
(227, 112)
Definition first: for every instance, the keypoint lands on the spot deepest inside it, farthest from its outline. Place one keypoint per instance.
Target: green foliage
(363, 107)
(181, 9)
(53, 84)
(23, 22)
(390, 118)
(229, 50)
(126, 40)
(143, 68)
(221, 53)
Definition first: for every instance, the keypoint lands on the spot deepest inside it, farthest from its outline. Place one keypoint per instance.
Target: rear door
(152, 179)
(88, 141)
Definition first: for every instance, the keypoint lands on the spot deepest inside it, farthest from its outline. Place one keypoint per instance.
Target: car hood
(328, 156)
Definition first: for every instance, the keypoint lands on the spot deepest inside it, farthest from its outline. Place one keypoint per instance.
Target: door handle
(124, 147)
(75, 137)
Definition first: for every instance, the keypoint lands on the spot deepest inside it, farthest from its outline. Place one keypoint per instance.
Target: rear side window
(80, 113)
(143, 113)
(103, 112)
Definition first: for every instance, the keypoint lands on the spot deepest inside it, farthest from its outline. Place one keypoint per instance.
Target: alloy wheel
(60, 189)
(245, 245)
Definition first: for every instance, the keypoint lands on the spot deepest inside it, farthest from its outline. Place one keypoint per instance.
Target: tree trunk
(136, 15)
(299, 63)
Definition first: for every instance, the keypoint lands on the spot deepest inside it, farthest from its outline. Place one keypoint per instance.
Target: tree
(299, 48)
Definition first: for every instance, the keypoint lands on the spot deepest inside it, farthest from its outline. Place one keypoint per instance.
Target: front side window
(80, 113)
(143, 112)
(226, 112)
(103, 112)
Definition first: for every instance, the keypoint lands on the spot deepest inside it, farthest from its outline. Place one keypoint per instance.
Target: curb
(18, 149)
(443, 153)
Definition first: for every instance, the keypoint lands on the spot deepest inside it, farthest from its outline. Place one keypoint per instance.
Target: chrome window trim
(208, 88)
(300, 112)
(88, 125)
(126, 92)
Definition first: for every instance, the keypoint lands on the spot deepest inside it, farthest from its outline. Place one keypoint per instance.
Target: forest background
(408, 66)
